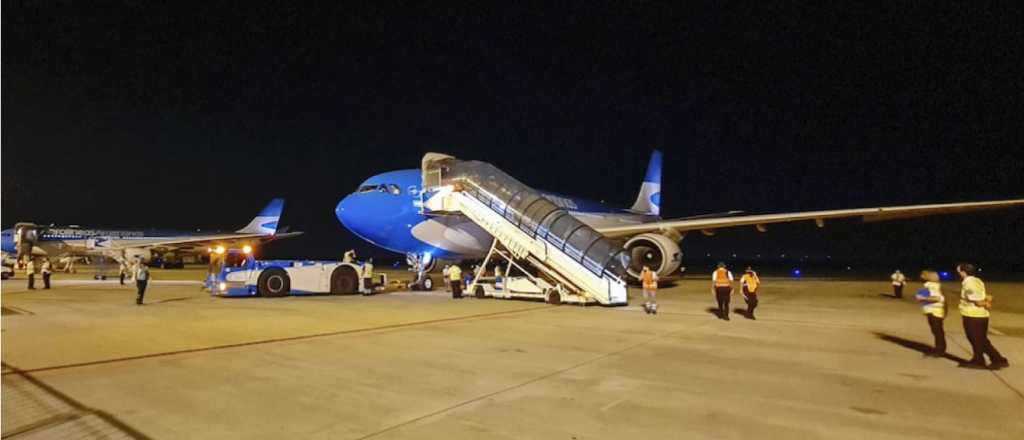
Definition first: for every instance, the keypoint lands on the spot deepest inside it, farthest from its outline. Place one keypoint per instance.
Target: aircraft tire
(479, 293)
(344, 280)
(428, 283)
(273, 282)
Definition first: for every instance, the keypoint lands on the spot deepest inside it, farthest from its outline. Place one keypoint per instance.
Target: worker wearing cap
(649, 280)
(721, 287)
(46, 270)
(749, 282)
(455, 278)
(898, 281)
(30, 270)
(974, 308)
(368, 277)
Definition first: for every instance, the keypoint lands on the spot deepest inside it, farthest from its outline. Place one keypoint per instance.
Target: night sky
(172, 116)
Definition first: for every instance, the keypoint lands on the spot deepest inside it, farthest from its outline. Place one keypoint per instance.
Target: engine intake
(656, 251)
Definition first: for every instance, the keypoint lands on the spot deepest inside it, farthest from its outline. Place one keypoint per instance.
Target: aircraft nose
(344, 211)
(353, 216)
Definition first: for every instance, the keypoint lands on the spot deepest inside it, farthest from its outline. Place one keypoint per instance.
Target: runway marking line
(277, 340)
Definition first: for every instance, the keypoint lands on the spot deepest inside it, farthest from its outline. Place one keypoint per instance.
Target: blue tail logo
(648, 202)
(266, 221)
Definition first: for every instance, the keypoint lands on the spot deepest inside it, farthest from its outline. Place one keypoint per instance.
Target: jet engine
(131, 254)
(656, 251)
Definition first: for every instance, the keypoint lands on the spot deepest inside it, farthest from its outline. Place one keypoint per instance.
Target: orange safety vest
(648, 280)
(722, 278)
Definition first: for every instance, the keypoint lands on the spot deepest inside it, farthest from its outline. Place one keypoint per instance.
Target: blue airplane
(385, 210)
(26, 239)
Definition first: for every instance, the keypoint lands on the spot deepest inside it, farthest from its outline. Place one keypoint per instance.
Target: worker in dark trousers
(974, 308)
(721, 287)
(123, 269)
(933, 304)
(141, 280)
(30, 270)
(46, 270)
(749, 282)
(455, 277)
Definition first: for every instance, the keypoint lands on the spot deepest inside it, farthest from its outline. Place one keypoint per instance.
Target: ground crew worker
(141, 276)
(123, 271)
(349, 257)
(898, 281)
(368, 277)
(974, 308)
(444, 276)
(499, 277)
(749, 283)
(649, 280)
(933, 304)
(30, 270)
(46, 270)
(721, 287)
(455, 278)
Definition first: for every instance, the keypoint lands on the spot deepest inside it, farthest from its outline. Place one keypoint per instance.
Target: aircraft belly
(454, 234)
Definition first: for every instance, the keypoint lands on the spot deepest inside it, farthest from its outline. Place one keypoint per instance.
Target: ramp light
(220, 250)
(247, 249)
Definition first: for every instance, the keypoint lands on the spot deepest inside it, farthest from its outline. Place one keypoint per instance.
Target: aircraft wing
(708, 225)
(198, 240)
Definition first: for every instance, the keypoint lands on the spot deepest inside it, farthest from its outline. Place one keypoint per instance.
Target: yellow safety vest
(934, 308)
(972, 291)
(455, 273)
(751, 282)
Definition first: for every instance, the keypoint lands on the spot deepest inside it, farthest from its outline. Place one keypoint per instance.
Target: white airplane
(385, 210)
(30, 239)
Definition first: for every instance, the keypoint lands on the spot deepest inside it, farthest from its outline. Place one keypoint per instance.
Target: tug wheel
(344, 280)
(274, 282)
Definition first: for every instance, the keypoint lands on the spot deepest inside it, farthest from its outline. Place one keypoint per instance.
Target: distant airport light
(247, 249)
(944, 275)
(209, 250)
(220, 250)
(796, 272)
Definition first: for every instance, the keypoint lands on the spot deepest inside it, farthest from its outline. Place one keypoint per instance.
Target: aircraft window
(388, 188)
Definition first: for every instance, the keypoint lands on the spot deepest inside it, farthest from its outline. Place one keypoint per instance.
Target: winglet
(649, 200)
(266, 221)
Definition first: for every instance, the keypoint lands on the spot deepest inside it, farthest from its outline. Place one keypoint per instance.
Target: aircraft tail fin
(649, 200)
(266, 221)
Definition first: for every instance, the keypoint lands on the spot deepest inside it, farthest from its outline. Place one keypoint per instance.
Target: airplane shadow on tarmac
(914, 345)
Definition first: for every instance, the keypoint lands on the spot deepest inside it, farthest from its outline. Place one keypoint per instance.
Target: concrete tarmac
(825, 359)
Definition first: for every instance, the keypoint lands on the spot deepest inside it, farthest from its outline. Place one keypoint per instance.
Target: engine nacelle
(656, 251)
(144, 255)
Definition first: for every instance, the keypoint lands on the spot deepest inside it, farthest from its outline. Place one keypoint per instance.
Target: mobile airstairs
(550, 254)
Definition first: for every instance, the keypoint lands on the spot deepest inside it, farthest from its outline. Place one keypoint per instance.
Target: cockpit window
(384, 188)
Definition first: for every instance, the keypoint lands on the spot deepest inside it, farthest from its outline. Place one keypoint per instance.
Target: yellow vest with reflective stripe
(934, 308)
(973, 290)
